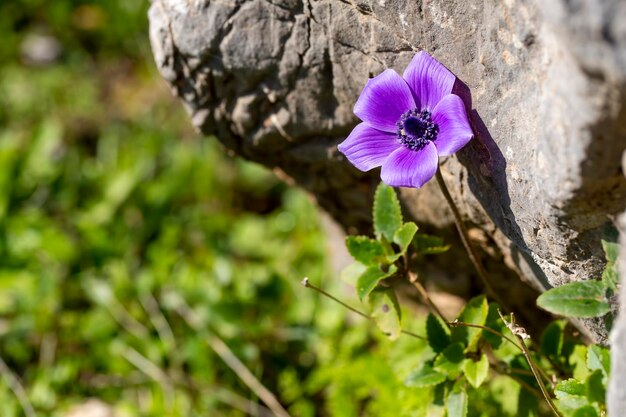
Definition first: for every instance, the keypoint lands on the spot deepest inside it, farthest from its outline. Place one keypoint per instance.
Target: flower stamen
(415, 129)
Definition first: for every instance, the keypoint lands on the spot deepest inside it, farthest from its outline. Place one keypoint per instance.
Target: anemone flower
(408, 122)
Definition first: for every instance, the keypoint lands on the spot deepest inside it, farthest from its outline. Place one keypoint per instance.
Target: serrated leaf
(595, 387)
(429, 245)
(437, 332)
(425, 376)
(365, 250)
(576, 299)
(599, 358)
(385, 311)
(476, 372)
(404, 235)
(456, 404)
(450, 361)
(351, 273)
(571, 395)
(586, 411)
(569, 387)
(387, 214)
(552, 340)
(474, 312)
(370, 279)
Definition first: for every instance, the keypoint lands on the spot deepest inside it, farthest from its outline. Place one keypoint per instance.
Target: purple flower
(408, 123)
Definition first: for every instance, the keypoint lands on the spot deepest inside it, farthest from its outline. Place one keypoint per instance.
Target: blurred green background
(119, 226)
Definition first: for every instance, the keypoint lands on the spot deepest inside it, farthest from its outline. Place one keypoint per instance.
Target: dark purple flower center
(415, 129)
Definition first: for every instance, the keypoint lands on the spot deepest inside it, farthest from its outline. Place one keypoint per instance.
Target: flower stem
(305, 282)
(460, 226)
(521, 334)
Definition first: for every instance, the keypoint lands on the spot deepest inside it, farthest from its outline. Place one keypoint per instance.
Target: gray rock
(275, 81)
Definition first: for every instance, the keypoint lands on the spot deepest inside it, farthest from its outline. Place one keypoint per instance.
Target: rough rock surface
(276, 80)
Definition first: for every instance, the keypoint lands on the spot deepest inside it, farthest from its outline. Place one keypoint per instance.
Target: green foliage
(370, 278)
(404, 235)
(576, 299)
(429, 245)
(425, 376)
(387, 215)
(385, 311)
(585, 393)
(438, 333)
(451, 361)
(609, 275)
(455, 376)
(474, 312)
(365, 250)
(585, 298)
(381, 258)
(456, 403)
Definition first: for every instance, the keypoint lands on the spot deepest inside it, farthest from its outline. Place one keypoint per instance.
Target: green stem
(307, 284)
(488, 329)
(458, 221)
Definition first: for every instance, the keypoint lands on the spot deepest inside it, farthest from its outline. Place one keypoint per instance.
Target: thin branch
(521, 335)
(458, 221)
(229, 358)
(151, 370)
(305, 283)
(16, 387)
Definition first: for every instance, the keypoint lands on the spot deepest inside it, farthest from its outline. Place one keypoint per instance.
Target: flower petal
(454, 128)
(367, 148)
(406, 168)
(383, 100)
(429, 80)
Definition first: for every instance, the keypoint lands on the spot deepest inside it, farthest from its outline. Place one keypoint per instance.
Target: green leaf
(450, 361)
(569, 387)
(370, 279)
(552, 340)
(576, 299)
(586, 411)
(610, 276)
(351, 273)
(425, 376)
(494, 322)
(385, 311)
(599, 358)
(404, 235)
(476, 372)
(578, 361)
(365, 250)
(387, 214)
(611, 250)
(595, 387)
(474, 312)
(429, 245)
(437, 332)
(571, 395)
(456, 404)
